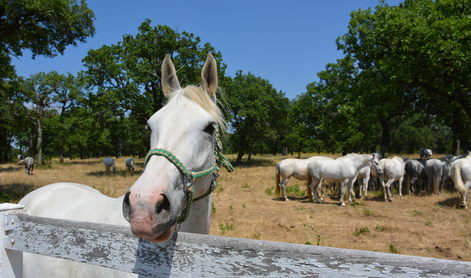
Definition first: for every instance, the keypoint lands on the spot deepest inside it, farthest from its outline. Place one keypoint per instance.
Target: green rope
(220, 158)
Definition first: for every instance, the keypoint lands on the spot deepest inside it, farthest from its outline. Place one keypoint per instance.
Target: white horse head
(186, 128)
(375, 164)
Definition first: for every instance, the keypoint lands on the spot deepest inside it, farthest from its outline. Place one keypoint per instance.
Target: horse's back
(73, 201)
(77, 202)
(392, 167)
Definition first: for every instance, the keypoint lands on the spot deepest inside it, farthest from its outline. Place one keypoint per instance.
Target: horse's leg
(342, 187)
(409, 181)
(283, 185)
(430, 181)
(384, 189)
(319, 189)
(401, 179)
(361, 186)
(366, 180)
(388, 186)
(315, 182)
(412, 184)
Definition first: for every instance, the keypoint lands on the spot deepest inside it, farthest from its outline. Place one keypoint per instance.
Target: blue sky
(285, 42)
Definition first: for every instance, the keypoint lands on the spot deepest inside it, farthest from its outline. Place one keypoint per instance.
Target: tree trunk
(456, 146)
(40, 141)
(239, 158)
(61, 151)
(31, 142)
(386, 137)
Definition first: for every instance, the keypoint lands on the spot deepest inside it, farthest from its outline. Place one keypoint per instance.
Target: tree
(255, 107)
(127, 75)
(39, 92)
(45, 27)
(70, 112)
(418, 49)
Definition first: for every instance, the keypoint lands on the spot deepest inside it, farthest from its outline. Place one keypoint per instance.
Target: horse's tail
(456, 177)
(308, 182)
(277, 187)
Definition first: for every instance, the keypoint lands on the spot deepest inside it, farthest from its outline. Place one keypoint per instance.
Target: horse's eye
(210, 128)
(148, 128)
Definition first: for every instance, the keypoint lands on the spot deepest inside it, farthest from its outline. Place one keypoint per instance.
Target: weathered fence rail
(199, 255)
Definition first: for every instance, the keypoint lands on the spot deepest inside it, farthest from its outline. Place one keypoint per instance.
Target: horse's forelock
(200, 97)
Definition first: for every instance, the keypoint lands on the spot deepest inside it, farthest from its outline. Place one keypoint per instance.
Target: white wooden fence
(198, 255)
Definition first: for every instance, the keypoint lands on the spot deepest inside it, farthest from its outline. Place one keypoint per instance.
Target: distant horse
(130, 164)
(461, 176)
(434, 171)
(414, 170)
(393, 171)
(20, 157)
(180, 173)
(29, 165)
(343, 169)
(109, 163)
(425, 153)
(292, 167)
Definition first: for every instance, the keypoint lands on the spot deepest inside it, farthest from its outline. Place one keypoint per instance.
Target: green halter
(192, 176)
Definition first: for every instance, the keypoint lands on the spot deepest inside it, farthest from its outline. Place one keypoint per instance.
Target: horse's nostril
(162, 209)
(127, 207)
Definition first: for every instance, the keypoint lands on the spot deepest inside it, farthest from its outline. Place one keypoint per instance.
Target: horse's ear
(169, 77)
(209, 76)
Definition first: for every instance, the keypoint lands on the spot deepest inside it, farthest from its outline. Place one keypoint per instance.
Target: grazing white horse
(129, 164)
(292, 167)
(29, 164)
(394, 169)
(185, 129)
(343, 169)
(109, 164)
(425, 153)
(461, 176)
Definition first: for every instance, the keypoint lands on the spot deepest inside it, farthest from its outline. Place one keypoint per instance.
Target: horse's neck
(199, 219)
(359, 161)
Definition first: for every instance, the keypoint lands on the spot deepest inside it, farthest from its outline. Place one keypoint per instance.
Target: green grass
(294, 190)
(392, 249)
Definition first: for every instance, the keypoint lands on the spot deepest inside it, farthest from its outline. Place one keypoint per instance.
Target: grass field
(244, 205)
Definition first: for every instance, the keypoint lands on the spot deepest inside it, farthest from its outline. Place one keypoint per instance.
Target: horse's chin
(163, 237)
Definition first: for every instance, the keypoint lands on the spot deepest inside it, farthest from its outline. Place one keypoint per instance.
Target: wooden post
(11, 262)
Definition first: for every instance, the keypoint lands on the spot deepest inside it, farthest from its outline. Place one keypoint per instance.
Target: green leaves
(127, 75)
(45, 27)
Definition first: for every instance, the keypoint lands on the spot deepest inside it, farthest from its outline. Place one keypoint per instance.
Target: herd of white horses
(345, 170)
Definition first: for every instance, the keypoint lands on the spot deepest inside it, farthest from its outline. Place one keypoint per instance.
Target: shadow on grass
(104, 174)
(14, 192)
(253, 162)
(11, 169)
(450, 202)
(73, 162)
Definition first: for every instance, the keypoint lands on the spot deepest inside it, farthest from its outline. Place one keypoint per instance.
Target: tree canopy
(46, 27)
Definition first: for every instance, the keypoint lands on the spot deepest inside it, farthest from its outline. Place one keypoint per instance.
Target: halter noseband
(192, 176)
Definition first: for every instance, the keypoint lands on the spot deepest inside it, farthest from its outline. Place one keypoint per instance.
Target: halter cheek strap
(192, 176)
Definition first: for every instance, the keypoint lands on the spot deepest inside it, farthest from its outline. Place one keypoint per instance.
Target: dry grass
(245, 206)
